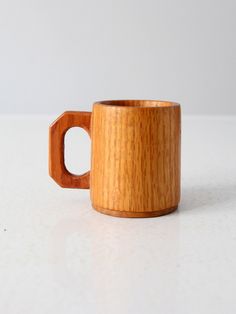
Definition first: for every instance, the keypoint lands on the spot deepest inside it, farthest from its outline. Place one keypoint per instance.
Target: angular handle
(57, 131)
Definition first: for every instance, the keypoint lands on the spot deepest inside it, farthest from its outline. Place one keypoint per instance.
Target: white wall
(58, 55)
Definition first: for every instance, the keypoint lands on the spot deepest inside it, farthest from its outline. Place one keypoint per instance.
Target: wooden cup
(135, 162)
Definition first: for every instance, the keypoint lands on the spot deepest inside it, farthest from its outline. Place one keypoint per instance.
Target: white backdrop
(58, 55)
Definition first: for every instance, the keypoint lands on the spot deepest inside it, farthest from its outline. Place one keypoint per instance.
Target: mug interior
(138, 103)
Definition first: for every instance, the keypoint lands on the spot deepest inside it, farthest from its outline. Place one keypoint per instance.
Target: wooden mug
(135, 156)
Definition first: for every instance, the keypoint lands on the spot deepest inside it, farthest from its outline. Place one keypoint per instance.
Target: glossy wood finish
(135, 158)
(57, 131)
(135, 162)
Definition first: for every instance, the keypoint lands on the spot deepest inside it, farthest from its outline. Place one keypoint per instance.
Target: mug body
(135, 162)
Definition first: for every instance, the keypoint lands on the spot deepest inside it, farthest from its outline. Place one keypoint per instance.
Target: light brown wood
(135, 162)
(135, 158)
(57, 131)
(129, 214)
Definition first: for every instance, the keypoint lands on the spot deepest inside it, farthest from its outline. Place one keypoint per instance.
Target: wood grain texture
(135, 166)
(135, 162)
(57, 131)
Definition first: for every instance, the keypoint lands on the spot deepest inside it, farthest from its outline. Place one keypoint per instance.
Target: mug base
(130, 214)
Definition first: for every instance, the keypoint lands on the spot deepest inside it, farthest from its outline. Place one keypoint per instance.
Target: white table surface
(58, 255)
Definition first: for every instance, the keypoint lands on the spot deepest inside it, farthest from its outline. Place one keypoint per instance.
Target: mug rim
(137, 103)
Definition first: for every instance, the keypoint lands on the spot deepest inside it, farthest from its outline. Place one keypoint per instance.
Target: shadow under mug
(135, 156)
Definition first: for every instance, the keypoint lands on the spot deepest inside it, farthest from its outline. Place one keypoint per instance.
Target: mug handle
(57, 131)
